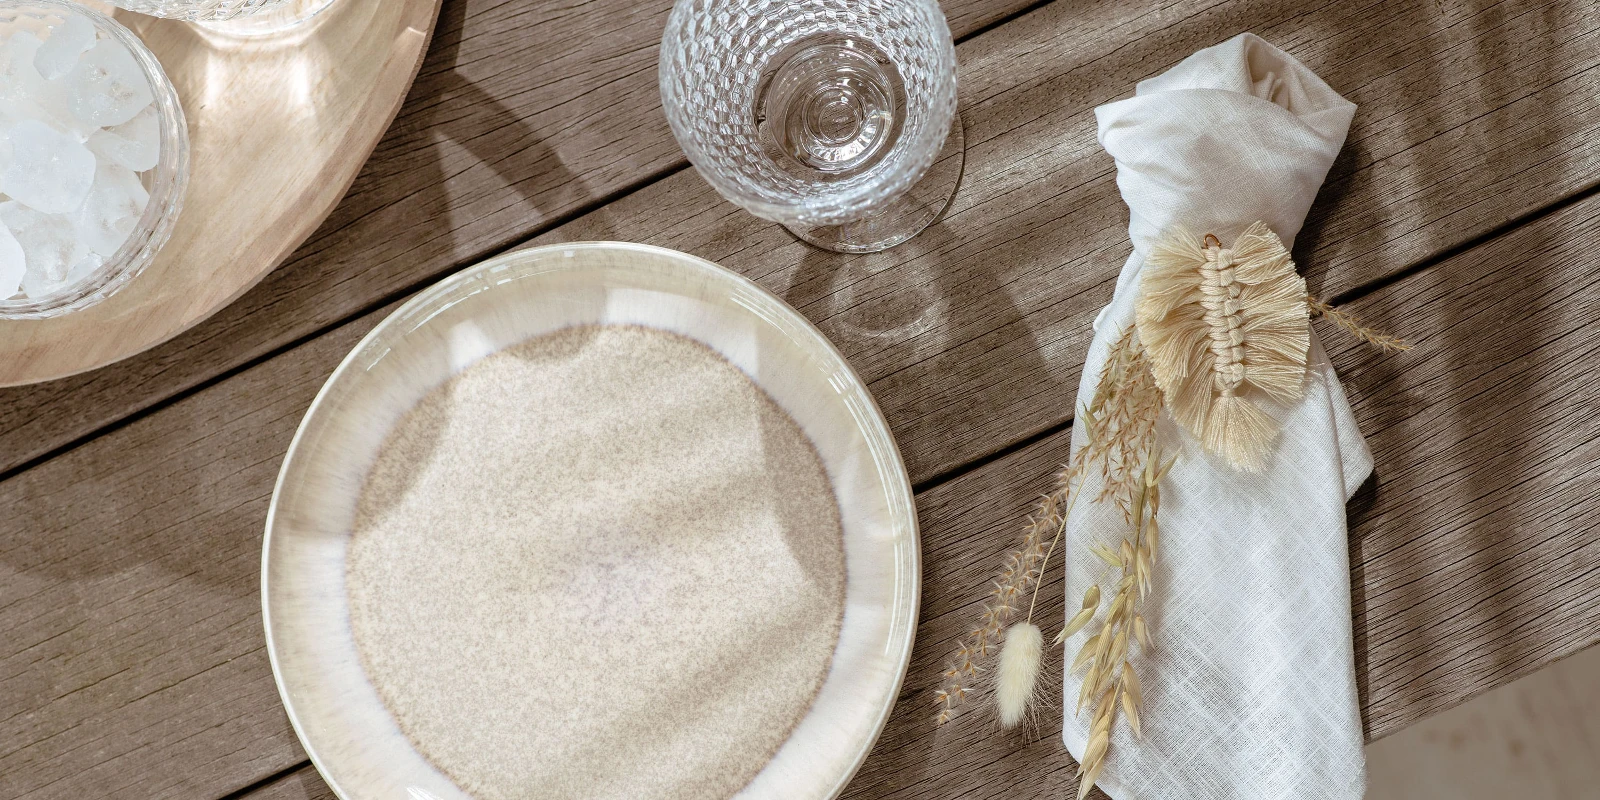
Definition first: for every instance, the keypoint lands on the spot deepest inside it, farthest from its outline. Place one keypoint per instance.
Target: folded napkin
(1250, 688)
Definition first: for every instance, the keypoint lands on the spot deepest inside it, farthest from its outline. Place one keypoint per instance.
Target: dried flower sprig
(1121, 421)
(1019, 573)
(1120, 435)
(1353, 325)
(1120, 429)
(1119, 424)
(1024, 646)
(1019, 672)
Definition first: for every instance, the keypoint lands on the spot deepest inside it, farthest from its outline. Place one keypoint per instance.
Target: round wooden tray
(278, 127)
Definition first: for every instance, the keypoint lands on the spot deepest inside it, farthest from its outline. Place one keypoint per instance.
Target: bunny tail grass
(1019, 671)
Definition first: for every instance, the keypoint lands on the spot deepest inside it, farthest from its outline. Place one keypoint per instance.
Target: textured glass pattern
(198, 10)
(716, 54)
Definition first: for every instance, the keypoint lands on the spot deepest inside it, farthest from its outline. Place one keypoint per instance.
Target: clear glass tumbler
(835, 118)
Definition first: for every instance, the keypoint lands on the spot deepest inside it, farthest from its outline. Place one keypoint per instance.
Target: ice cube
(107, 87)
(25, 94)
(17, 66)
(135, 144)
(69, 40)
(5, 147)
(49, 247)
(85, 266)
(19, 81)
(50, 171)
(112, 209)
(36, 286)
(12, 263)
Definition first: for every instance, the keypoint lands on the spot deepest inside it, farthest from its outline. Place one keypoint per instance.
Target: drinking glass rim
(835, 207)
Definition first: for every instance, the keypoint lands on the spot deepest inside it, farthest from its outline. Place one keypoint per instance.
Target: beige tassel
(1225, 330)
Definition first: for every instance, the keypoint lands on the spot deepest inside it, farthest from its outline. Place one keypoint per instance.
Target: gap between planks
(550, 224)
(1396, 223)
(1119, 232)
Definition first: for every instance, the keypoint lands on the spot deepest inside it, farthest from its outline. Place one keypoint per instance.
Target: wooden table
(1462, 215)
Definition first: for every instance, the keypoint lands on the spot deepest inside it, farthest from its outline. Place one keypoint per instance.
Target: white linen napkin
(1250, 690)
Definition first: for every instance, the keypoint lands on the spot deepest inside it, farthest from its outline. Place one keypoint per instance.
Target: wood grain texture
(1458, 133)
(1535, 738)
(1472, 559)
(278, 127)
(522, 112)
(1475, 559)
(133, 600)
(302, 783)
(132, 653)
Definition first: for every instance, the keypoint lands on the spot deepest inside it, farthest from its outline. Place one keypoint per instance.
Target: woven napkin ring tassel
(1227, 332)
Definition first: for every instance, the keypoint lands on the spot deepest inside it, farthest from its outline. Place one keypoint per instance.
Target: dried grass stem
(1353, 325)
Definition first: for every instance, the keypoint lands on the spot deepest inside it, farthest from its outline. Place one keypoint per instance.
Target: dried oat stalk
(1121, 446)
(1120, 426)
(1110, 680)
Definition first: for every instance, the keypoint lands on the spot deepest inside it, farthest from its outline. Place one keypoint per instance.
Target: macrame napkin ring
(1227, 331)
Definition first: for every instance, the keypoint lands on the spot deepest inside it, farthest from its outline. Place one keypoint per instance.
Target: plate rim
(899, 482)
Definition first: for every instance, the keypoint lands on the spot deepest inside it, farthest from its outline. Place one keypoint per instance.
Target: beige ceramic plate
(346, 729)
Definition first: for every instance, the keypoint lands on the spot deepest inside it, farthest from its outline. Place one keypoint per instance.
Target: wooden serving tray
(278, 127)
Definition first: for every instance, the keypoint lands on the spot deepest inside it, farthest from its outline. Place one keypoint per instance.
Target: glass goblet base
(903, 217)
(279, 19)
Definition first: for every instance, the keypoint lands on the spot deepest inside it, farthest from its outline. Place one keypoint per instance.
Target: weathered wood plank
(302, 784)
(522, 113)
(987, 310)
(1472, 556)
(1472, 562)
(1458, 133)
(1475, 559)
(870, 304)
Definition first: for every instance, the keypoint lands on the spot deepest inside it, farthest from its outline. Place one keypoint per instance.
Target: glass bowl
(165, 183)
